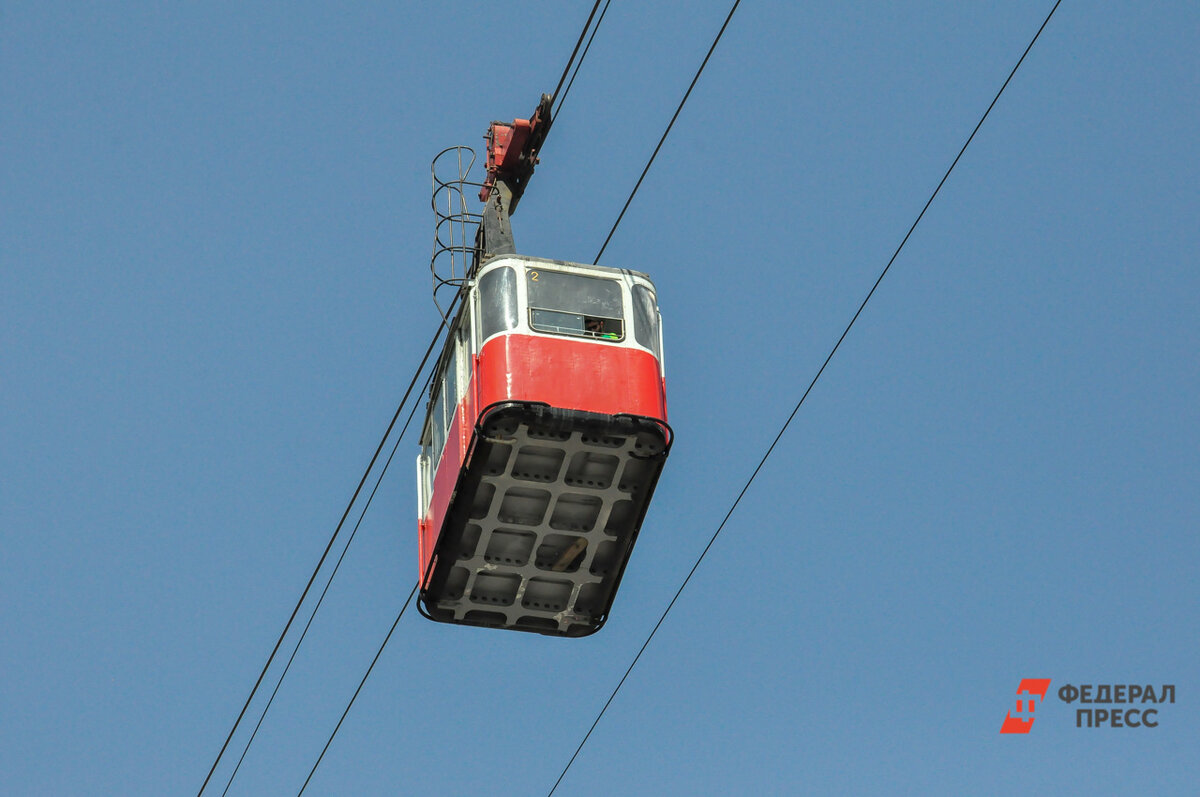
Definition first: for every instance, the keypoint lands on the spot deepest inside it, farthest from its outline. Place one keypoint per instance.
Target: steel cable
(354, 697)
(558, 101)
(329, 546)
(667, 132)
(796, 409)
(328, 582)
(578, 44)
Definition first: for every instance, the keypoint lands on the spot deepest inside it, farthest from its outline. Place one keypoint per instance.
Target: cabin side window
(449, 391)
(437, 426)
(572, 304)
(645, 319)
(450, 384)
(497, 302)
(424, 481)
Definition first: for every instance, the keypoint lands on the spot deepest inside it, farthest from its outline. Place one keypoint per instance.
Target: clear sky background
(214, 239)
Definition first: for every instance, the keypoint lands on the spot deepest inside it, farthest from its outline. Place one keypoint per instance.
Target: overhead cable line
(354, 697)
(796, 409)
(667, 132)
(578, 44)
(558, 101)
(374, 457)
(329, 581)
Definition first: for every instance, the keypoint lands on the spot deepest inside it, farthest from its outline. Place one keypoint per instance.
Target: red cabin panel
(571, 374)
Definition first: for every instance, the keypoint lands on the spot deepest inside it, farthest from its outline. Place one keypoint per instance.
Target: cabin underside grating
(550, 507)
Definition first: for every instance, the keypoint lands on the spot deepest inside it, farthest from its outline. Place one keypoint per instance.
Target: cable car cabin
(545, 437)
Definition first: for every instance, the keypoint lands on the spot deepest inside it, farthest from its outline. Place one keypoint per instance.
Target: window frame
(605, 334)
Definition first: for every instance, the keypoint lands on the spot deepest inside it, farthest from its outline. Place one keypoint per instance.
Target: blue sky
(214, 238)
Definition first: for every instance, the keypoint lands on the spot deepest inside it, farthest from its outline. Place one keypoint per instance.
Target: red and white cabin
(546, 434)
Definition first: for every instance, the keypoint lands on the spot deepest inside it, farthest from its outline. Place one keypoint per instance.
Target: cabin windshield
(572, 304)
